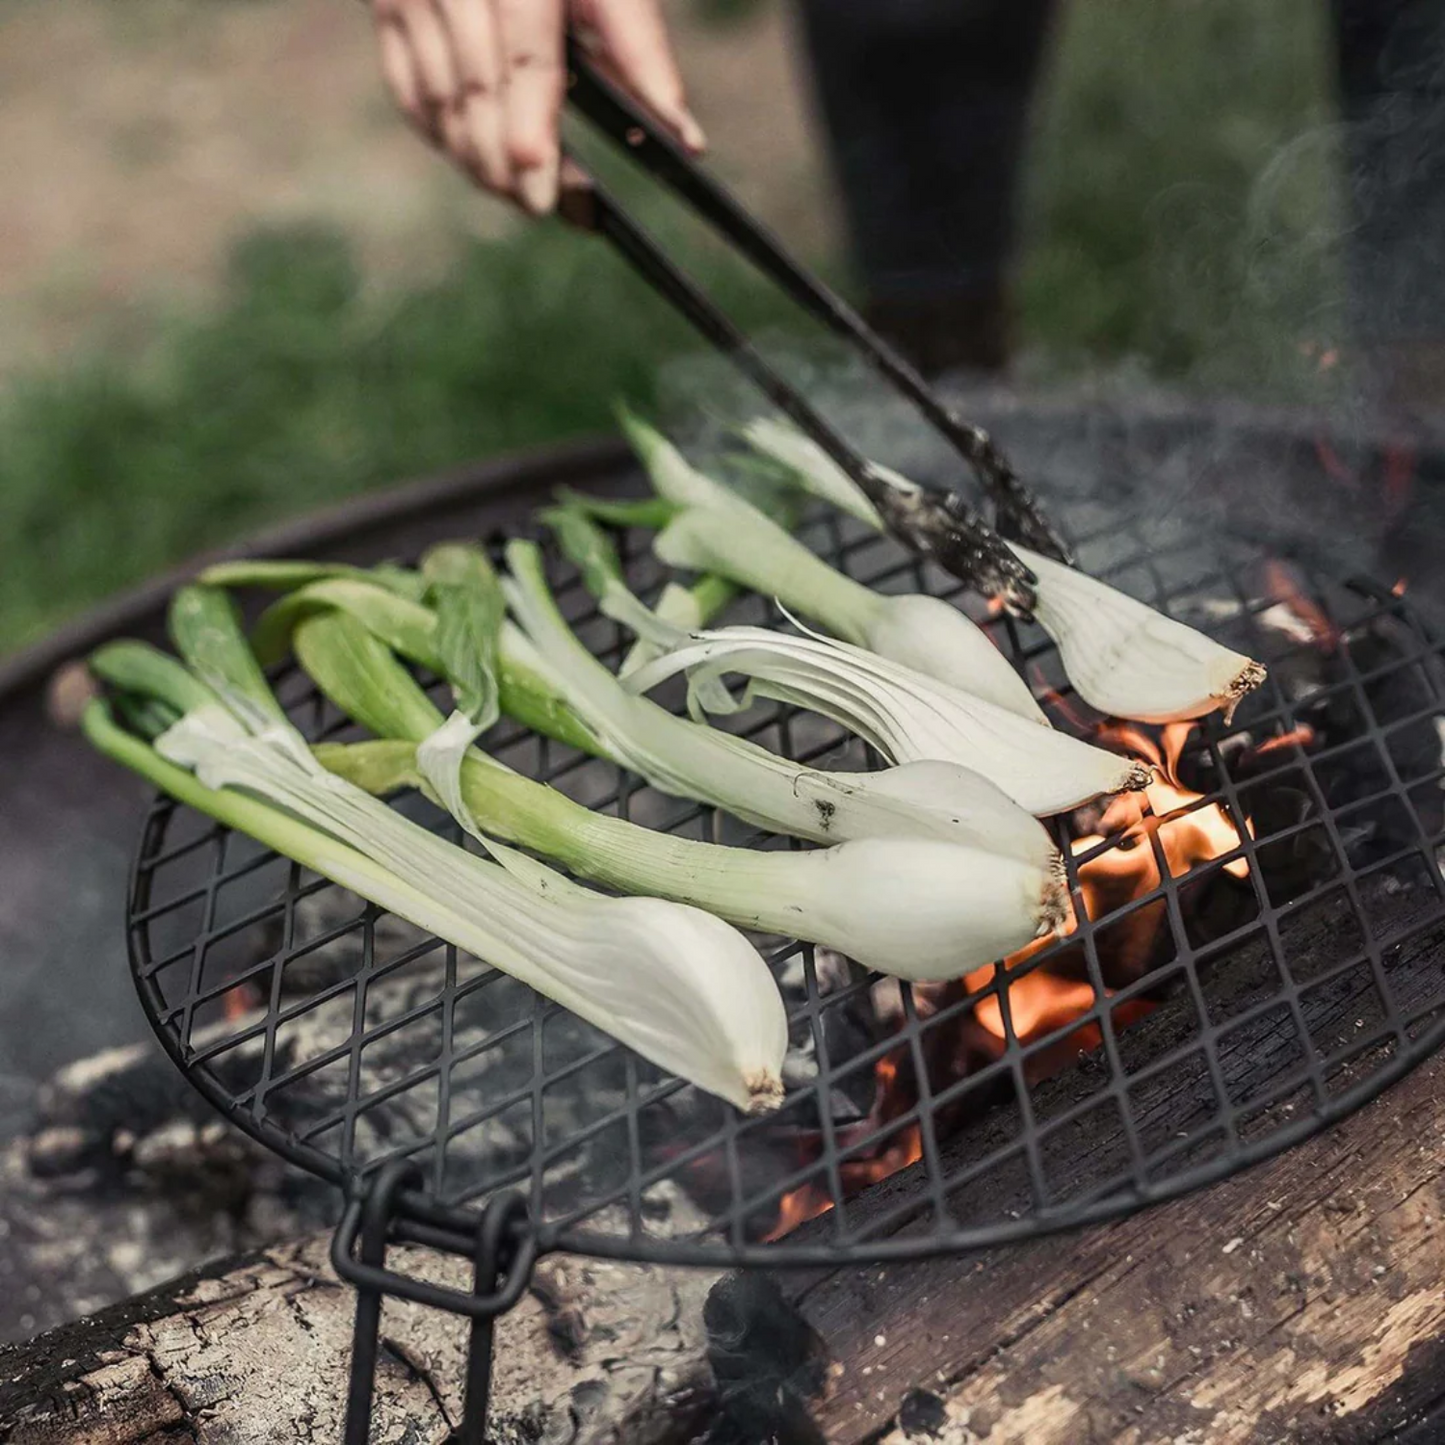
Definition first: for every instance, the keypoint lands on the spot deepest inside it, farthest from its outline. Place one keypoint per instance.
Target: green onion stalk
(918, 908)
(1124, 658)
(715, 529)
(675, 983)
(551, 683)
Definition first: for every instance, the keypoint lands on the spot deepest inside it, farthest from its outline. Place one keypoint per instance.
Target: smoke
(1294, 390)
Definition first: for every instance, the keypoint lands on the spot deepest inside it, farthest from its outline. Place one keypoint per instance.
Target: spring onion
(924, 799)
(1131, 661)
(464, 594)
(674, 983)
(716, 530)
(1124, 658)
(551, 683)
(917, 908)
(906, 716)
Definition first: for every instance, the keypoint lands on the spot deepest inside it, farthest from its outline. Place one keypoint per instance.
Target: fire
(1188, 834)
(1051, 697)
(1135, 830)
(1302, 736)
(1397, 473)
(239, 1001)
(1298, 605)
(797, 1207)
(904, 1148)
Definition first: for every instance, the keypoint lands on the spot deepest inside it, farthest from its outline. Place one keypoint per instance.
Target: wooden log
(1301, 1301)
(259, 1350)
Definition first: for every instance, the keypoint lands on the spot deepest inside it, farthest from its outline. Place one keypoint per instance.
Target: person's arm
(484, 80)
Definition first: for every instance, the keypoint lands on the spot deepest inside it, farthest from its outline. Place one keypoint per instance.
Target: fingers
(476, 46)
(485, 80)
(442, 62)
(424, 83)
(532, 50)
(635, 46)
(398, 70)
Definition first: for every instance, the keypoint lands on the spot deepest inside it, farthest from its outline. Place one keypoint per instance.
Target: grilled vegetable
(717, 531)
(673, 982)
(917, 908)
(906, 716)
(931, 799)
(550, 682)
(1124, 658)
(1129, 660)
(464, 594)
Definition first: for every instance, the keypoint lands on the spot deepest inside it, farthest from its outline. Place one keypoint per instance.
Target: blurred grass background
(1179, 220)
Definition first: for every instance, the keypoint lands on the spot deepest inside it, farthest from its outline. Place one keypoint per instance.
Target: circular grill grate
(1206, 1023)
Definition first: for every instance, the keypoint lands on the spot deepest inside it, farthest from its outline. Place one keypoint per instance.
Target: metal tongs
(935, 521)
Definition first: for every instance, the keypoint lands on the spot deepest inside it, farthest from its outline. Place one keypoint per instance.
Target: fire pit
(1255, 951)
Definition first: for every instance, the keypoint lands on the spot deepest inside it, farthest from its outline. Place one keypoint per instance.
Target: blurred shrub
(304, 387)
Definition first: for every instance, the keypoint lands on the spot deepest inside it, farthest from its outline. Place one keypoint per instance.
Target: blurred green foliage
(1181, 204)
(304, 388)
(1179, 210)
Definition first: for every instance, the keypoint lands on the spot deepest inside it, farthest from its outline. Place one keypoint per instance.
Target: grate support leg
(503, 1253)
(493, 1261)
(366, 1333)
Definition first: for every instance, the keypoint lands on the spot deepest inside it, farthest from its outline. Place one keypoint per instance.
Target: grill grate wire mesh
(341, 1038)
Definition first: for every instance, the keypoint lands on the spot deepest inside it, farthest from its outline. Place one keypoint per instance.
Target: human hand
(484, 80)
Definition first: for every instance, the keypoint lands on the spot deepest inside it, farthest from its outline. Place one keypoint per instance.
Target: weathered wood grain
(1302, 1301)
(258, 1352)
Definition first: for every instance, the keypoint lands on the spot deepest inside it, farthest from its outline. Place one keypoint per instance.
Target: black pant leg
(1391, 65)
(926, 106)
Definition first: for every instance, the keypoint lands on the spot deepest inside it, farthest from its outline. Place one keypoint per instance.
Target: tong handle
(937, 524)
(619, 118)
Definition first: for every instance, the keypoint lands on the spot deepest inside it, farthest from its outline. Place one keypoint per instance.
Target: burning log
(1305, 1290)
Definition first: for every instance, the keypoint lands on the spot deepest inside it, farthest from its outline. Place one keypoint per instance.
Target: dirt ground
(137, 139)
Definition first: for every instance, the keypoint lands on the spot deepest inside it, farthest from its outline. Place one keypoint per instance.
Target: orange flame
(1286, 587)
(1397, 468)
(239, 1001)
(1045, 999)
(1188, 834)
(1302, 736)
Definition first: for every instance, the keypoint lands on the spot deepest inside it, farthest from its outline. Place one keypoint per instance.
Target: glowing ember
(1397, 473)
(1335, 466)
(1311, 624)
(1049, 697)
(1302, 736)
(238, 1001)
(1399, 479)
